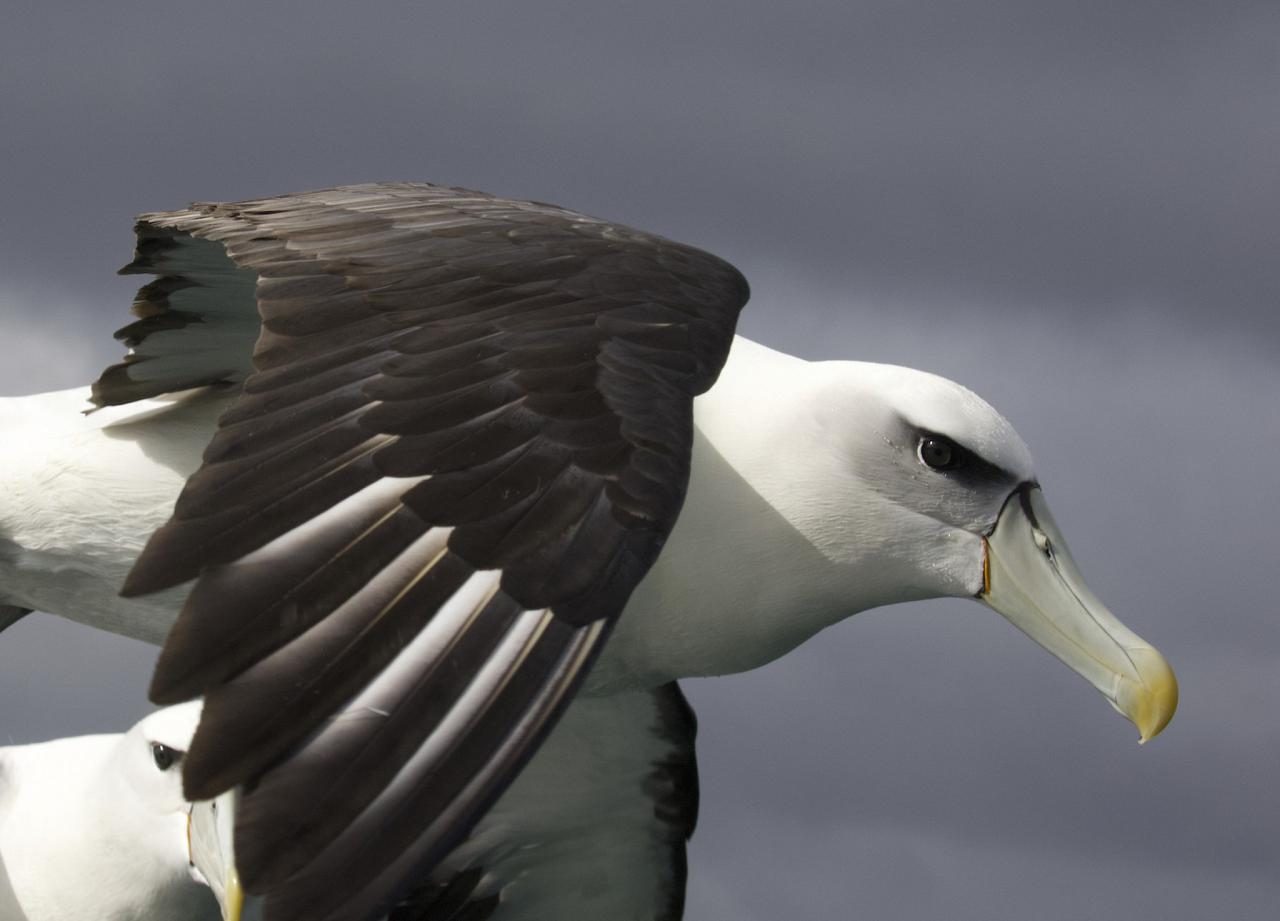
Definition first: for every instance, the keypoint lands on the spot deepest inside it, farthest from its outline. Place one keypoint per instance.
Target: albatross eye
(164, 756)
(938, 452)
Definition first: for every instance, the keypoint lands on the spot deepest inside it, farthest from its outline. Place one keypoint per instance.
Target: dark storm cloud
(1069, 207)
(1104, 152)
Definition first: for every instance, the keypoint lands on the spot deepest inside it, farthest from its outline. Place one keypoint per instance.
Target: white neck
(741, 580)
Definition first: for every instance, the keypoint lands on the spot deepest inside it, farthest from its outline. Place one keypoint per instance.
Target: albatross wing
(463, 441)
(595, 827)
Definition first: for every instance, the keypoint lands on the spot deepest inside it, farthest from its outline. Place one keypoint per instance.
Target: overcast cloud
(1070, 207)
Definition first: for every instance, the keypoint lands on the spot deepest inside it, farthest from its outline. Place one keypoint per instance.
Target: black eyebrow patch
(968, 465)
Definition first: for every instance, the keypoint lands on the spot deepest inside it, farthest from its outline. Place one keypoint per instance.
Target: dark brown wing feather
(464, 440)
(595, 827)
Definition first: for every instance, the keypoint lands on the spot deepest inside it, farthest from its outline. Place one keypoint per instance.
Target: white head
(96, 826)
(149, 760)
(894, 475)
(915, 470)
(910, 486)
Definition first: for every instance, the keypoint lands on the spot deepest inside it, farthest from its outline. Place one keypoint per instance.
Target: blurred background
(1071, 207)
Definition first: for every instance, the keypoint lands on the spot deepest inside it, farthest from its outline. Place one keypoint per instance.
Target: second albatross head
(96, 826)
(910, 486)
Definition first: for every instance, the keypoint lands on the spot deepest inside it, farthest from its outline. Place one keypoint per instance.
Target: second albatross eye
(938, 452)
(164, 756)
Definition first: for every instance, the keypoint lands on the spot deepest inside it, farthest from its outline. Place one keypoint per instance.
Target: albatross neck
(739, 583)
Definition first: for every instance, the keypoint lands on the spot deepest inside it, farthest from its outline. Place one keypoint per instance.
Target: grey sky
(1070, 207)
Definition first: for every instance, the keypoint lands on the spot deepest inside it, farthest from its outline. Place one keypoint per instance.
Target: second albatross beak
(1030, 578)
(211, 837)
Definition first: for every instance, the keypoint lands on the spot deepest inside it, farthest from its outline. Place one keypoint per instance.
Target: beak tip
(1043, 594)
(1153, 703)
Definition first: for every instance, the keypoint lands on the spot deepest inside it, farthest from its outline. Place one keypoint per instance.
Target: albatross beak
(210, 842)
(1030, 578)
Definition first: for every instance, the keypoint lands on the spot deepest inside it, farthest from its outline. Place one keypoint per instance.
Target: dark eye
(938, 452)
(164, 756)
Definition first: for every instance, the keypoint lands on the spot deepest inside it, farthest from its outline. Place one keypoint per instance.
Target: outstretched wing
(464, 439)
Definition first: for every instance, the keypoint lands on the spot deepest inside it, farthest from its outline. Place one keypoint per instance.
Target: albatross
(96, 827)
(416, 466)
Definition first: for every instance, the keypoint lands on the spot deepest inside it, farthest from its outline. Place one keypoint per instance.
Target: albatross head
(150, 758)
(97, 826)
(151, 754)
(910, 486)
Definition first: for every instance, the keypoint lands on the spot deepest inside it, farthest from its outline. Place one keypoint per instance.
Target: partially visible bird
(96, 828)
(595, 826)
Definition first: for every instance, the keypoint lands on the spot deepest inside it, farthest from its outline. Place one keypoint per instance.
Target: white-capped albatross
(439, 441)
(96, 827)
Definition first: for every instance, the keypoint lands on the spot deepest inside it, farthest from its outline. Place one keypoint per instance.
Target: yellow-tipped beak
(211, 845)
(1150, 705)
(1030, 578)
